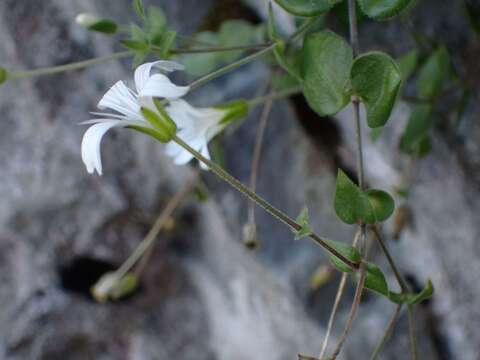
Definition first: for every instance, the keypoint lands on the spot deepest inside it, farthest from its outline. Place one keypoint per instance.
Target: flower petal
(91, 141)
(142, 73)
(159, 85)
(120, 98)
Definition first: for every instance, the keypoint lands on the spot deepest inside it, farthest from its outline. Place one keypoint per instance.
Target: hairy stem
(68, 67)
(387, 333)
(209, 77)
(353, 312)
(278, 214)
(211, 49)
(338, 298)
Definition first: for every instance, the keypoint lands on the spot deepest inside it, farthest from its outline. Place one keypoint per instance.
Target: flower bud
(95, 23)
(250, 239)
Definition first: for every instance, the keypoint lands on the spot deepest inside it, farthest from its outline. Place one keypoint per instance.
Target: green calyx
(234, 110)
(164, 128)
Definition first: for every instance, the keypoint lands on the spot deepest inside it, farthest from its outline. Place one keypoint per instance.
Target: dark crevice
(82, 272)
(323, 132)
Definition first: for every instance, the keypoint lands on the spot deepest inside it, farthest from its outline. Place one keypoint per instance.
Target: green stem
(412, 333)
(68, 67)
(211, 49)
(275, 96)
(209, 77)
(278, 214)
(305, 25)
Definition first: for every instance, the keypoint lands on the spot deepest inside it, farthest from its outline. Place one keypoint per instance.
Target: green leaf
(375, 280)
(3, 75)
(418, 126)
(434, 73)
(423, 148)
(384, 9)
(304, 221)
(382, 203)
(95, 23)
(327, 59)
(346, 251)
(376, 79)
(426, 293)
(351, 204)
(408, 63)
(155, 23)
(201, 64)
(307, 7)
(139, 9)
(234, 33)
(135, 45)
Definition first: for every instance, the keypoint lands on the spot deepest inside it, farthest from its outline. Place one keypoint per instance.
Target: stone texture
(204, 296)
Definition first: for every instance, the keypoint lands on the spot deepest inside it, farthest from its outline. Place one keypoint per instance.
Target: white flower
(197, 126)
(127, 103)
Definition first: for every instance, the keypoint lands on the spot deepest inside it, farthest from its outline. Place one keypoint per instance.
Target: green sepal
(304, 221)
(234, 110)
(166, 120)
(160, 136)
(347, 251)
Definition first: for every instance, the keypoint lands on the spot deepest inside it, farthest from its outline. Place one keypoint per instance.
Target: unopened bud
(250, 238)
(322, 275)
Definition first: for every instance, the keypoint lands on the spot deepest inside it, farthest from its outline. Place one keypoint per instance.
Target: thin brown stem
(412, 333)
(257, 151)
(353, 312)
(401, 281)
(211, 49)
(338, 298)
(387, 333)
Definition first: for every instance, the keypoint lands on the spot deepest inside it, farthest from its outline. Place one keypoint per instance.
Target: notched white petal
(120, 98)
(159, 85)
(91, 144)
(142, 73)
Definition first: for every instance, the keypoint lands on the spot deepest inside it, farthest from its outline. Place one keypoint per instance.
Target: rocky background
(203, 295)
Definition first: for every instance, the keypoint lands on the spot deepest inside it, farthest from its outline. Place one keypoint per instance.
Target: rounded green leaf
(384, 9)
(382, 204)
(375, 280)
(433, 74)
(3, 75)
(345, 250)
(95, 23)
(351, 204)
(408, 63)
(376, 79)
(307, 7)
(327, 59)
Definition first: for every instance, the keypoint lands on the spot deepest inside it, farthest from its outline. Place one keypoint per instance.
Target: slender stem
(353, 312)
(275, 96)
(338, 298)
(305, 25)
(352, 19)
(203, 80)
(149, 239)
(412, 333)
(211, 49)
(256, 156)
(68, 67)
(401, 281)
(278, 214)
(358, 136)
(387, 333)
